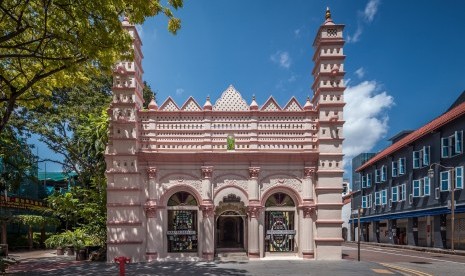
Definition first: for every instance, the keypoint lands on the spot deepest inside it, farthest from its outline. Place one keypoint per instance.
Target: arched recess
(226, 190)
(180, 188)
(281, 220)
(182, 221)
(281, 189)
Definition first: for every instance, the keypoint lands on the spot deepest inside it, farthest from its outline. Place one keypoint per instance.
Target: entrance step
(232, 256)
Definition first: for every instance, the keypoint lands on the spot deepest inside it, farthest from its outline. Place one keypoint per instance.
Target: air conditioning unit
(436, 193)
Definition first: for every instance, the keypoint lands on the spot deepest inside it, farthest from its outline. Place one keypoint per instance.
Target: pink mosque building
(188, 181)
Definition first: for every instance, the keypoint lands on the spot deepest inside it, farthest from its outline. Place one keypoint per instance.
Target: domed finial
(253, 97)
(328, 13)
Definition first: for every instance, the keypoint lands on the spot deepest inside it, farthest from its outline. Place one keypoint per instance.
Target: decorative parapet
(207, 172)
(253, 172)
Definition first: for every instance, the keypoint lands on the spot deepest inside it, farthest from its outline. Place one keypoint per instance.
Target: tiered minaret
(124, 194)
(328, 100)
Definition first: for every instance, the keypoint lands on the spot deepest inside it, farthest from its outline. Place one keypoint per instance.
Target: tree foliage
(16, 160)
(36, 220)
(148, 94)
(47, 44)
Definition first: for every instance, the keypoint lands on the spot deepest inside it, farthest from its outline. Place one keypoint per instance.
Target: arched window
(279, 199)
(182, 199)
(182, 223)
(279, 223)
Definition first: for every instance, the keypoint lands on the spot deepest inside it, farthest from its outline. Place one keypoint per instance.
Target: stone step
(232, 256)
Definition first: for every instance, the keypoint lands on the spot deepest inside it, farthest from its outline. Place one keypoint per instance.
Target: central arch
(230, 231)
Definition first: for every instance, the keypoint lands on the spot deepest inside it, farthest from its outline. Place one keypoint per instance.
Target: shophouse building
(406, 189)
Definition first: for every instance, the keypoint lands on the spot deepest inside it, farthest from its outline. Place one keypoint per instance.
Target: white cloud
(366, 121)
(367, 15)
(292, 78)
(281, 58)
(297, 32)
(356, 37)
(371, 9)
(360, 72)
(179, 91)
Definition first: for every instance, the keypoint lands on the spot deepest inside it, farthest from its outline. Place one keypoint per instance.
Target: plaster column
(208, 220)
(153, 186)
(439, 231)
(412, 231)
(253, 211)
(307, 183)
(153, 243)
(375, 231)
(306, 237)
(150, 207)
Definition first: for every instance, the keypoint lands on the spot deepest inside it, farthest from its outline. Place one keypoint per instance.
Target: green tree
(16, 160)
(47, 44)
(64, 206)
(36, 221)
(148, 94)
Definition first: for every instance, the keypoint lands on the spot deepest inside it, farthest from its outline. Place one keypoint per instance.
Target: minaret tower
(328, 87)
(125, 231)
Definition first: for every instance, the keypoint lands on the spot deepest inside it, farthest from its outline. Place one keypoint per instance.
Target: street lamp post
(452, 197)
(359, 210)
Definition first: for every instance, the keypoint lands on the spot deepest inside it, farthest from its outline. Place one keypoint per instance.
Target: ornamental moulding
(152, 172)
(150, 208)
(309, 172)
(253, 172)
(208, 210)
(254, 211)
(207, 172)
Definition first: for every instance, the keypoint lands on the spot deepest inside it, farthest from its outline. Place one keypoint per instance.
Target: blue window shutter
(426, 186)
(445, 147)
(459, 177)
(416, 159)
(458, 141)
(445, 180)
(426, 156)
(416, 188)
(395, 191)
(402, 166)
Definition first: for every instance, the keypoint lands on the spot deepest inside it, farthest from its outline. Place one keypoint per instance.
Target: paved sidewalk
(45, 262)
(416, 248)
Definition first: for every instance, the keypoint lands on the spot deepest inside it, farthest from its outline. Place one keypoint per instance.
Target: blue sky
(405, 59)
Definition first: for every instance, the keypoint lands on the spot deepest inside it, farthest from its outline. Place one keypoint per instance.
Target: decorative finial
(208, 97)
(253, 97)
(328, 13)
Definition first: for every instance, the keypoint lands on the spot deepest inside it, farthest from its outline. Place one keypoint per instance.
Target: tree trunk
(4, 239)
(42, 236)
(30, 237)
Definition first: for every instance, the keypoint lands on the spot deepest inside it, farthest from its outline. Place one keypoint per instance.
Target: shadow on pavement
(59, 266)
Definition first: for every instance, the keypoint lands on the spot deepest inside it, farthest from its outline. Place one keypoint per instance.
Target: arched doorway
(280, 223)
(230, 231)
